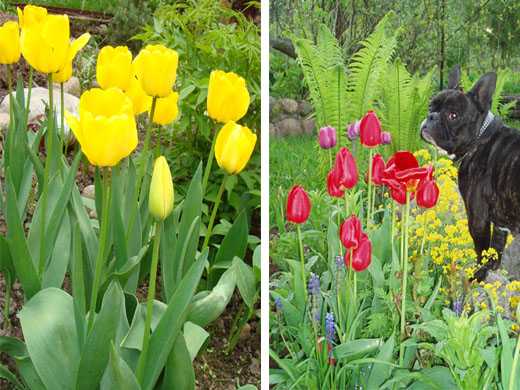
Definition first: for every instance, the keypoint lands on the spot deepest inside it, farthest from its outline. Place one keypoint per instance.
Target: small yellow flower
(45, 38)
(156, 68)
(9, 43)
(114, 67)
(65, 72)
(228, 97)
(233, 147)
(160, 200)
(166, 109)
(106, 128)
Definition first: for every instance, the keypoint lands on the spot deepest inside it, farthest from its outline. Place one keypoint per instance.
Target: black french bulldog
(488, 154)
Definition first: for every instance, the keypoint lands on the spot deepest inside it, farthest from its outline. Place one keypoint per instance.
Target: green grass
(294, 160)
(87, 5)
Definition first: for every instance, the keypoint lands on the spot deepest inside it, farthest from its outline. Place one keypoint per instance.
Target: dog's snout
(432, 116)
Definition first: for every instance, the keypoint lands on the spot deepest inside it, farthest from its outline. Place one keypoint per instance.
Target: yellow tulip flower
(140, 100)
(228, 98)
(45, 39)
(9, 43)
(65, 73)
(161, 197)
(114, 67)
(156, 68)
(166, 109)
(106, 128)
(233, 147)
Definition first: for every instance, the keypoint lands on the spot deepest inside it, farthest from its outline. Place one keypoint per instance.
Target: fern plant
(403, 105)
(324, 72)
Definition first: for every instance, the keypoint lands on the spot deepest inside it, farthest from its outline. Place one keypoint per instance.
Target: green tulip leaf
(50, 334)
(355, 349)
(234, 243)
(134, 337)
(179, 373)
(118, 376)
(195, 337)
(246, 282)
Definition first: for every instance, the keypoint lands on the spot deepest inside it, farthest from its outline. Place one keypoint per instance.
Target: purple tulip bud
(327, 137)
(386, 138)
(353, 130)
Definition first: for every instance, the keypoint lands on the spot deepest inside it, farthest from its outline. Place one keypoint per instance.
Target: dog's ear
(483, 90)
(454, 78)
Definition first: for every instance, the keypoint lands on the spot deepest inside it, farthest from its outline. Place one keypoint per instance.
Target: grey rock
(511, 259)
(4, 120)
(89, 191)
(309, 126)
(289, 126)
(40, 99)
(72, 86)
(290, 106)
(305, 108)
(273, 130)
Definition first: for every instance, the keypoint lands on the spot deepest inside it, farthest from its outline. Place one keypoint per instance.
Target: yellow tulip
(140, 100)
(228, 98)
(161, 197)
(166, 109)
(106, 128)
(65, 73)
(233, 147)
(45, 39)
(156, 68)
(114, 67)
(9, 43)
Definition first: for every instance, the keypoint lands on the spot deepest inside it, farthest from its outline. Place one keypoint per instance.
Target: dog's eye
(452, 116)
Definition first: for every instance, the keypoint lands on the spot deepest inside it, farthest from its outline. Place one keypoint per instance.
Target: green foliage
(286, 77)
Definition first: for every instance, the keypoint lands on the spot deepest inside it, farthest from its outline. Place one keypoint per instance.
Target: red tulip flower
(378, 169)
(350, 232)
(346, 169)
(298, 205)
(370, 130)
(404, 168)
(333, 187)
(427, 193)
(361, 256)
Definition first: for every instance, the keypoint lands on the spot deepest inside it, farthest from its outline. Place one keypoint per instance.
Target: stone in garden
(71, 86)
(89, 191)
(39, 100)
(304, 108)
(511, 259)
(290, 106)
(273, 130)
(289, 126)
(4, 120)
(309, 126)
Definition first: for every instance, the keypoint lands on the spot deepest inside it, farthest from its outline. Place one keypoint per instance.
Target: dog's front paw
(480, 275)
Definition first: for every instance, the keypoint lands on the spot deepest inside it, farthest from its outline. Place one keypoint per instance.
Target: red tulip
(333, 186)
(397, 190)
(298, 205)
(346, 170)
(361, 256)
(378, 169)
(427, 194)
(404, 168)
(350, 232)
(370, 130)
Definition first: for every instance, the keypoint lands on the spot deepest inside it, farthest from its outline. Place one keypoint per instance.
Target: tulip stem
(149, 303)
(214, 212)
(29, 90)
(101, 248)
(7, 302)
(330, 158)
(405, 278)
(346, 204)
(48, 152)
(302, 258)
(355, 278)
(512, 379)
(142, 170)
(62, 118)
(369, 195)
(209, 164)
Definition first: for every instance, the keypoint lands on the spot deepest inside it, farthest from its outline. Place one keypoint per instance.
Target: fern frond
(365, 68)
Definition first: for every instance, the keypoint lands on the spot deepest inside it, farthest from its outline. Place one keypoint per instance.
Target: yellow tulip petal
(228, 97)
(9, 43)
(156, 69)
(114, 67)
(233, 147)
(166, 109)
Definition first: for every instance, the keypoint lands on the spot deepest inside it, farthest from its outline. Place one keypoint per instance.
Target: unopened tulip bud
(160, 202)
(327, 137)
